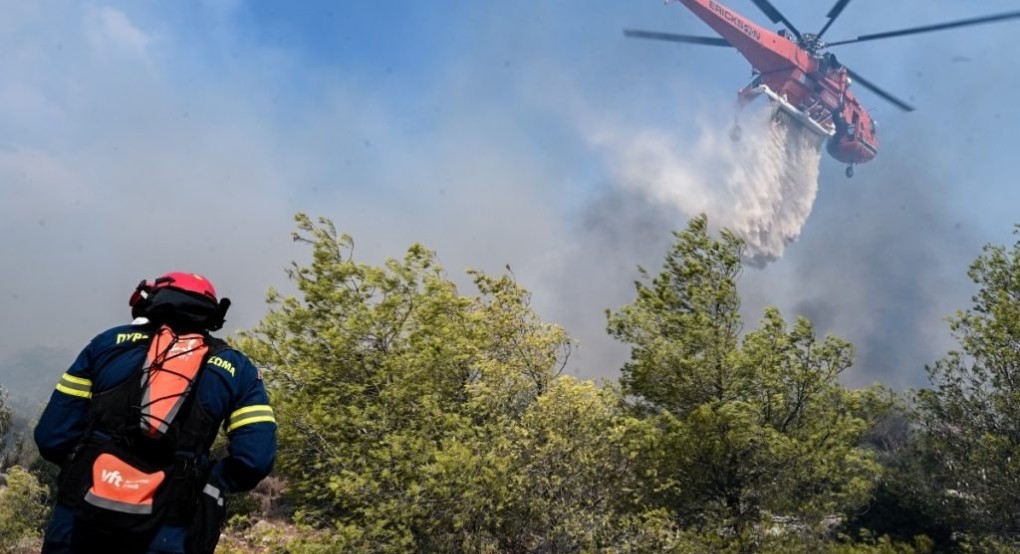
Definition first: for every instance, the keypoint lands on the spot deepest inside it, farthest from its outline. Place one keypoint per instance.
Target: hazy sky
(137, 138)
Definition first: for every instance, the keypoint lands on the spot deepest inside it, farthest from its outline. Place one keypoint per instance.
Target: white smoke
(762, 187)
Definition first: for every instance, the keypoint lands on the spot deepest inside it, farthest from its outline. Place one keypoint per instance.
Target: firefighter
(132, 421)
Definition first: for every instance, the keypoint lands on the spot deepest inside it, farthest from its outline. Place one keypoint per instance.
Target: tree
(12, 441)
(577, 463)
(684, 325)
(417, 419)
(759, 425)
(23, 509)
(905, 505)
(970, 416)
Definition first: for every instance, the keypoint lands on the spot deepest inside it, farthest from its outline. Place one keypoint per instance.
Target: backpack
(143, 460)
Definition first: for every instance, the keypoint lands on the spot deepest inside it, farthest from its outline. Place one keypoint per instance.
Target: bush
(23, 509)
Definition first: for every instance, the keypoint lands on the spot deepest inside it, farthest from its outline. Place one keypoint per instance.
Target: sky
(142, 137)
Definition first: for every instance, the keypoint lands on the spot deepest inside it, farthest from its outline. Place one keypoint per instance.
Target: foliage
(757, 425)
(416, 418)
(970, 417)
(13, 449)
(575, 476)
(22, 509)
(413, 418)
(683, 327)
(988, 545)
(905, 504)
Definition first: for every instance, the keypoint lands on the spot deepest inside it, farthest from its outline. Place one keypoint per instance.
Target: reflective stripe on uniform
(250, 414)
(214, 492)
(75, 386)
(211, 490)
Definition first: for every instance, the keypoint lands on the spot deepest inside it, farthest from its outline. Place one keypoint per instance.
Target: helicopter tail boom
(765, 50)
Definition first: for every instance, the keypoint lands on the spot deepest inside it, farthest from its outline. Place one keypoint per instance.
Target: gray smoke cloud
(129, 147)
(610, 236)
(883, 263)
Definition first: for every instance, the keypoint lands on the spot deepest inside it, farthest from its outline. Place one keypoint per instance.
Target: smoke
(762, 187)
(881, 264)
(463, 135)
(610, 236)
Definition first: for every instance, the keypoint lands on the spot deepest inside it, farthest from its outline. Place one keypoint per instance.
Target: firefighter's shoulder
(123, 335)
(251, 403)
(233, 364)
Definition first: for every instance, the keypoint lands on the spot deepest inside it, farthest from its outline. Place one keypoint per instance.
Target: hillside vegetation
(417, 417)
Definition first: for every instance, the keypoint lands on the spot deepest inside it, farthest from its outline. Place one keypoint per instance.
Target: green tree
(905, 505)
(417, 419)
(23, 510)
(684, 326)
(758, 425)
(577, 461)
(970, 416)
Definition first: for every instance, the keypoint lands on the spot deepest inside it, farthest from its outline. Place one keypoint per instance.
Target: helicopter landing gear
(735, 133)
(849, 171)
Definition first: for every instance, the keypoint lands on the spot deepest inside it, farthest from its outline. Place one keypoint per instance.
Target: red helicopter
(794, 71)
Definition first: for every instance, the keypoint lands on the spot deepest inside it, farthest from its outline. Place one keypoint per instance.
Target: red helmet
(163, 300)
(187, 282)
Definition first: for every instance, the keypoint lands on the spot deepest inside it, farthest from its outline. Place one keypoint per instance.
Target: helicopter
(796, 72)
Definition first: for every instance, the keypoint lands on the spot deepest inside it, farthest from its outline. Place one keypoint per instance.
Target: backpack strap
(198, 429)
(172, 366)
(195, 430)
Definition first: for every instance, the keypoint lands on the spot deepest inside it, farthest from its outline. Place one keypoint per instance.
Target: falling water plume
(762, 187)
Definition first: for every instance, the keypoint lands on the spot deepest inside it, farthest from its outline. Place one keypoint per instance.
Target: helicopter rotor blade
(931, 28)
(775, 15)
(833, 14)
(879, 91)
(671, 37)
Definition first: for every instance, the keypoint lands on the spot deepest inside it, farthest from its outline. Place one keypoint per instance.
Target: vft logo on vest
(112, 477)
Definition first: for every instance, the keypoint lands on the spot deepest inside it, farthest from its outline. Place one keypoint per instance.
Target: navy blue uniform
(229, 388)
